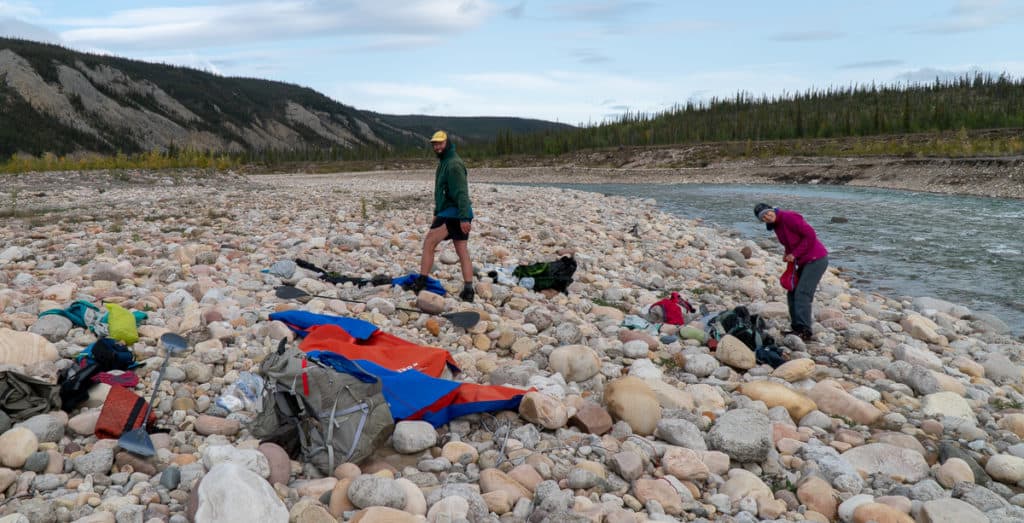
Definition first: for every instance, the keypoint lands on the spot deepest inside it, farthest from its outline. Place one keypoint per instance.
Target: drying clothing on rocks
(86, 315)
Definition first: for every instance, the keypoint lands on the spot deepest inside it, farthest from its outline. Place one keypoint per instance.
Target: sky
(560, 60)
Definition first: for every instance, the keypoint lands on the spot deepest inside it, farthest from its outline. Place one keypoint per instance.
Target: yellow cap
(439, 136)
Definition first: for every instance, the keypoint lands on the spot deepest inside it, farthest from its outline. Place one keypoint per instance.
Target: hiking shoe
(467, 294)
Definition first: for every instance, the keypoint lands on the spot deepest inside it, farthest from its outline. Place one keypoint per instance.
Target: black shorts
(454, 226)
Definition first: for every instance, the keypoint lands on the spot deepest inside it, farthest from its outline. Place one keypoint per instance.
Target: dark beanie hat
(760, 207)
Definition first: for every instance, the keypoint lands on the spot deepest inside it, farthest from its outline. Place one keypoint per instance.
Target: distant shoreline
(986, 177)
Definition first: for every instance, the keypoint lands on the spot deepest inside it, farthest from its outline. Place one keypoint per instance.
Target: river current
(964, 249)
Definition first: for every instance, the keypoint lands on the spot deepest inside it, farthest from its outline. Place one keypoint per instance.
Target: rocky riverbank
(895, 411)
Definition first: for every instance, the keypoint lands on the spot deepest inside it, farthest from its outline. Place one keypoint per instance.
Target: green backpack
(319, 415)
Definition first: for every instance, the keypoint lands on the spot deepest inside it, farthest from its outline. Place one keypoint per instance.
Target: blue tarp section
(413, 395)
(301, 321)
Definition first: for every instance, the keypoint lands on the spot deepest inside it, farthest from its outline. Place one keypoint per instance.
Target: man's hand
(788, 258)
(466, 226)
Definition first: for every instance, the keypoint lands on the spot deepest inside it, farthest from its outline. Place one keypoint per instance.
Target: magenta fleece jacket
(798, 237)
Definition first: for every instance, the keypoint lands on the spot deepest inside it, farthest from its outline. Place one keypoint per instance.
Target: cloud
(603, 11)
(806, 36)
(230, 24)
(516, 11)
(929, 74)
(971, 15)
(15, 28)
(18, 10)
(409, 91)
(590, 56)
(974, 6)
(872, 64)
(517, 81)
(399, 42)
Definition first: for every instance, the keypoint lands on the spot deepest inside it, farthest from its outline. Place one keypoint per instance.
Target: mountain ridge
(61, 101)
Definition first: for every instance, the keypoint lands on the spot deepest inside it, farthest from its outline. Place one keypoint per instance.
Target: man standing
(453, 215)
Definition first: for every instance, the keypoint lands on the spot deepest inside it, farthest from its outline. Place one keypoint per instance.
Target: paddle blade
(465, 319)
(287, 292)
(174, 342)
(137, 441)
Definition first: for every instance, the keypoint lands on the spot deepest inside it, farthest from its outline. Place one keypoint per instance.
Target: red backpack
(672, 309)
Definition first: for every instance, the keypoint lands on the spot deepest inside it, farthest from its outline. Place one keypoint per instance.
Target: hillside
(60, 101)
(473, 129)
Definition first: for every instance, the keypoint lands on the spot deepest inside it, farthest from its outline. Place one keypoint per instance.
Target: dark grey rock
(949, 449)
(37, 462)
(978, 496)
(170, 478)
(914, 376)
(927, 490)
(680, 432)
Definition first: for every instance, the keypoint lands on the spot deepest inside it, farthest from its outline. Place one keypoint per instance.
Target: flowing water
(964, 249)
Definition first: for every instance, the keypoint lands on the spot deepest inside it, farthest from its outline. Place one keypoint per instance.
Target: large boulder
(795, 370)
(743, 434)
(230, 493)
(575, 362)
(778, 395)
(881, 458)
(734, 353)
(947, 404)
(543, 410)
(25, 348)
(830, 398)
(630, 399)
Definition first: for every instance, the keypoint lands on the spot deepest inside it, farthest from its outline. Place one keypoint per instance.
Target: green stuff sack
(122, 324)
(22, 397)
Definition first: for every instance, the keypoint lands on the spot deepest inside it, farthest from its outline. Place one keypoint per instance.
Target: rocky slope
(896, 411)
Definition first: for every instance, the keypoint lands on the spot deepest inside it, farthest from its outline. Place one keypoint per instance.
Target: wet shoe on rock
(419, 284)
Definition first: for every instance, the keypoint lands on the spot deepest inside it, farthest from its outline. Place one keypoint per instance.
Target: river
(964, 249)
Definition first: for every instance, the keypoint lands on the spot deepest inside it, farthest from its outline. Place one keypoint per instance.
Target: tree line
(967, 103)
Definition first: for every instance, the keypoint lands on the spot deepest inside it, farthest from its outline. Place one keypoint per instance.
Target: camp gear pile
(555, 275)
(748, 328)
(411, 372)
(320, 415)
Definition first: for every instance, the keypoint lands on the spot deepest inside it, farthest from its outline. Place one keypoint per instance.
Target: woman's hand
(466, 226)
(788, 258)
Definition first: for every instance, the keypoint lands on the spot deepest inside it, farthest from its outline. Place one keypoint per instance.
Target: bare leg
(462, 249)
(430, 242)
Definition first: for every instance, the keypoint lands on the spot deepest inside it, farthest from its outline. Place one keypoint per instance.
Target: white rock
(230, 493)
(411, 437)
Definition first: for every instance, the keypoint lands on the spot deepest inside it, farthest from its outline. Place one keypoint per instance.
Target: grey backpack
(319, 415)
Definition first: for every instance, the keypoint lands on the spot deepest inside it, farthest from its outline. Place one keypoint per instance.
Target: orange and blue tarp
(412, 395)
(301, 321)
(387, 350)
(408, 372)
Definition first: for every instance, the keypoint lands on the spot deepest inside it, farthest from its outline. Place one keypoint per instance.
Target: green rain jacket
(451, 190)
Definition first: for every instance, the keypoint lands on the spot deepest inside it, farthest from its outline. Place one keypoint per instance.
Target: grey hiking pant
(800, 298)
